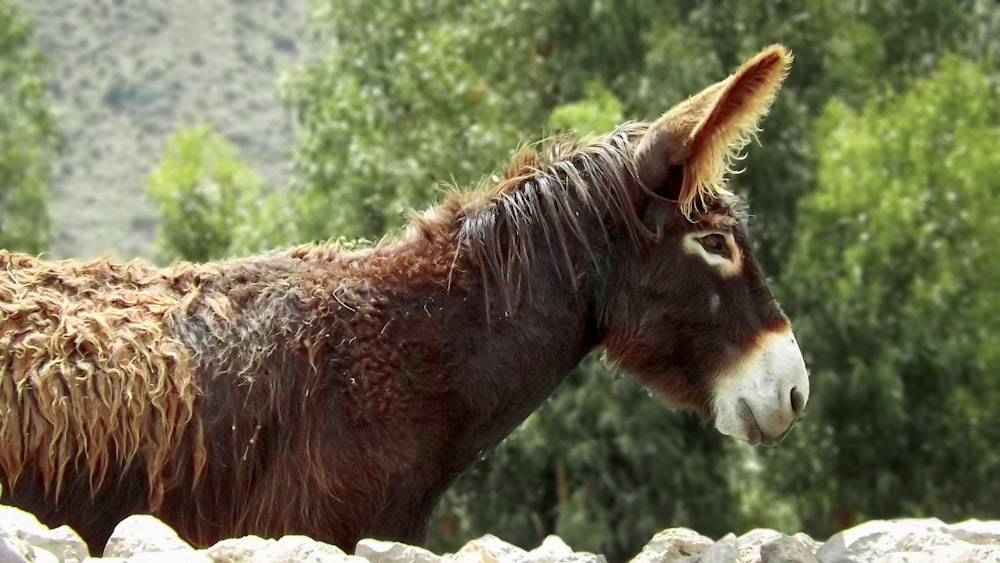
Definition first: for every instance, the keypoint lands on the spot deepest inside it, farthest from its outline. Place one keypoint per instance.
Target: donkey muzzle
(761, 398)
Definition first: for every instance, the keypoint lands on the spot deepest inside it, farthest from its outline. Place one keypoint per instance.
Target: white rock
(799, 548)
(142, 534)
(499, 549)
(967, 553)
(63, 542)
(673, 544)
(726, 550)
(13, 550)
(552, 550)
(910, 540)
(977, 531)
(39, 555)
(238, 550)
(176, 556)
(378, 551)
(472, 553)
(875, 537)
(301, 549)
(912, 557)
(751, 542)
(583, 557)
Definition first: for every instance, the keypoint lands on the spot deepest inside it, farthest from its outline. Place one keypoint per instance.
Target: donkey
(338, 393)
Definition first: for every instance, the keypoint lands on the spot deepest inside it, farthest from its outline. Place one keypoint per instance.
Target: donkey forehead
(723, 212)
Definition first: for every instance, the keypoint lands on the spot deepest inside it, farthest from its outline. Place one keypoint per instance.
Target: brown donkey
(337, 394)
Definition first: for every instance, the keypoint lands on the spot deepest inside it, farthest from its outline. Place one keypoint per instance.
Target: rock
(472, 553)
(39, 555)
(501, 550)
(144, 539)
(555, 550)
(378, 551)
(13, 550)
(751, 542)
(726, 550)
(552, 550)
(674, 544)
(63, 543)
(491, 549)
(176, 556)
(142, 534)
(800, 548)
(911, 540)
(583, 557)
(977, 531)
(296, 549)
(238, 550)
(252, 549)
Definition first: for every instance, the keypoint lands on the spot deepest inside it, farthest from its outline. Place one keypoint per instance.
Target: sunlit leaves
(212, 205)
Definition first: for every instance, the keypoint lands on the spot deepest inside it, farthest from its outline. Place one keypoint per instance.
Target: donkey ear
(699, 137)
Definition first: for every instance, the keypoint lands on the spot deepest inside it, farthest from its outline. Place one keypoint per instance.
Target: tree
(892, 280)
(211, 203)
(29, 140)
(405, 95)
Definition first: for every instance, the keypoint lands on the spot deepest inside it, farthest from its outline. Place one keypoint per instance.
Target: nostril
(798, 401)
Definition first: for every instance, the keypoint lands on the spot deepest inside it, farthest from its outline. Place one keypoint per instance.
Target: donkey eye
(716, 244)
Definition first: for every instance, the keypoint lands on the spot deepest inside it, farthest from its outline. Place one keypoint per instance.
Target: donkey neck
(515, 345)
(517, 359)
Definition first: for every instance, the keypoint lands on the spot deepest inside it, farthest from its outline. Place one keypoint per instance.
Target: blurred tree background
(29, 136)
(875, 201)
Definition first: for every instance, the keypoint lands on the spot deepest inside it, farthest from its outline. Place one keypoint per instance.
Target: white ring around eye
(726, 266)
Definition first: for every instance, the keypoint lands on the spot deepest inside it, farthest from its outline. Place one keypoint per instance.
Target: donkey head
(691, 312)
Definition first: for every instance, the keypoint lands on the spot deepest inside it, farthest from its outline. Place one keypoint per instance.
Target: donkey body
(337, 394)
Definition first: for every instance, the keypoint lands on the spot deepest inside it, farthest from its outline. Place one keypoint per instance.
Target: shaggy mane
(553, 193)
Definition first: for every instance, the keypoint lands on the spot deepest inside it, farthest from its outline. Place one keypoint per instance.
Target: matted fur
(88, 371)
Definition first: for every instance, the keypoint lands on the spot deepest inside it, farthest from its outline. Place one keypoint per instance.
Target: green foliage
(211, 204)
(29, 140)
(407, 95)
(893, 280)
(598, 113)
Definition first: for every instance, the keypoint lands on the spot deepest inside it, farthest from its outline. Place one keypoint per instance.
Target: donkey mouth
(752, 431)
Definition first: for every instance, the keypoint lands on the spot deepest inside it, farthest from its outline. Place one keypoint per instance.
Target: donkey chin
(760, 398)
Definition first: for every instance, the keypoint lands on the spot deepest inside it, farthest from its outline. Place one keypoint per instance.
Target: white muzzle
(759, 399)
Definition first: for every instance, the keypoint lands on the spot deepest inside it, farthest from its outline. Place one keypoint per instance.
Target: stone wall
(144, 539)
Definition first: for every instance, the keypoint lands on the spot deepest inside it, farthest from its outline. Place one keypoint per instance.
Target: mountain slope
(126, 72)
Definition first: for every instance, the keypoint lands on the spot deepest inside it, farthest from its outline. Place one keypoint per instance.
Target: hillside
(126, 72)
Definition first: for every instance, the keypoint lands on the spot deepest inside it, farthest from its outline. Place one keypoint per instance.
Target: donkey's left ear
(699, 137)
